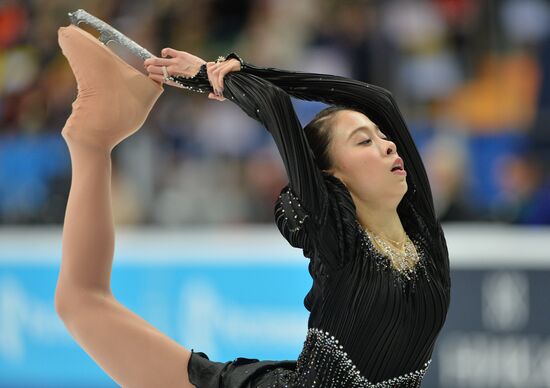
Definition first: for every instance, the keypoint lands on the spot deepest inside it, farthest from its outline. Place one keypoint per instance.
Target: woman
(376, 309)
(361, 211)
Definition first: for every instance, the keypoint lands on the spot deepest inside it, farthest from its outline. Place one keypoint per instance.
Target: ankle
(85, 146)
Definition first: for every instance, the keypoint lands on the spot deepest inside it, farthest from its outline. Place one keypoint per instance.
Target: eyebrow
(361, 128)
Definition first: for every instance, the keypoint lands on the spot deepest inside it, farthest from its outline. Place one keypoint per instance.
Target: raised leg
(113, 101)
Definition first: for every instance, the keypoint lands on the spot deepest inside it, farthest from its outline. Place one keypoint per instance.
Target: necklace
(398, 244)
(403, 259)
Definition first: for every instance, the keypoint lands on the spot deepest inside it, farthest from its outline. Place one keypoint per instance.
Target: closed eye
(365, 141)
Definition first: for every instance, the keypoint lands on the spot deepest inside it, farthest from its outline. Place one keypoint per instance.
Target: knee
(63, 302)
(68, 302)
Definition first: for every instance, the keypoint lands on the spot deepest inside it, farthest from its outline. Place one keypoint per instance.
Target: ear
(330, 171)
(334, 172)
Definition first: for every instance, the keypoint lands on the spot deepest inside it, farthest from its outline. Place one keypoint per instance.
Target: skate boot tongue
(114, 98)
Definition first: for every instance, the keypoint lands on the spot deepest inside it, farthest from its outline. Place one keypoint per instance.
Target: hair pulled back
(318, 135)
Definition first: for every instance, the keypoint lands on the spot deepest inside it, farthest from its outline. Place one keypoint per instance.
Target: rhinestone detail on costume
(189, 82)
(292, 210)
(280, 378)
(401, 278)
(323, 363)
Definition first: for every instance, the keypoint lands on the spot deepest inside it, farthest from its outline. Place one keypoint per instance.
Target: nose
(392, 148)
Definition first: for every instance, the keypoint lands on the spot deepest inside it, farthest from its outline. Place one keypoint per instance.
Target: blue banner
(240, 293)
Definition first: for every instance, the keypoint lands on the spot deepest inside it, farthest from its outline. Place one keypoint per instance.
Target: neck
(380, 220)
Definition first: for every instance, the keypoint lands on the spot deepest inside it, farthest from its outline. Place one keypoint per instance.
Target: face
(363, 159)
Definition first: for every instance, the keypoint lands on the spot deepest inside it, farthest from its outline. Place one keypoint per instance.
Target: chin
(405, 189)
(401, 193)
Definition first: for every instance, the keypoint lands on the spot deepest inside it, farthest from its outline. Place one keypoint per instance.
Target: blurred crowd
(470, 76)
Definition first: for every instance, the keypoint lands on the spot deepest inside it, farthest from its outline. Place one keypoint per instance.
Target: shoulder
(334, 232)
(429, 234)
(293, 216)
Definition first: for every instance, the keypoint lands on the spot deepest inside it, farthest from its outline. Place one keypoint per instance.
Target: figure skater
(361, 211)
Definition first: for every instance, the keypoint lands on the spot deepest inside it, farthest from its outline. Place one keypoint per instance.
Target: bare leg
(113, 101)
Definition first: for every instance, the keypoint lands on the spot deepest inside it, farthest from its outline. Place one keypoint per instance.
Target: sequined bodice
(324, 359)
(323, 362)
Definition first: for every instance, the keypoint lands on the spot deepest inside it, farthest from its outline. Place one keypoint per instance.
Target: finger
(156, 61)
(213, 77)
(155, 69)
(155, 77)
(235, 65)
(212, 96)
(220, 79)
(168, 51)
(210, 66)
(209, 72)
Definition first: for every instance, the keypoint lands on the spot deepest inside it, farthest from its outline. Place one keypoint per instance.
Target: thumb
(168, 51)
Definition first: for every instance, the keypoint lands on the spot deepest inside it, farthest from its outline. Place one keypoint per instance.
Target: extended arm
(267, 103)
(271, 106)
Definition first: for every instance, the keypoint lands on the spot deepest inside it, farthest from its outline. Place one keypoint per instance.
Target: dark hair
(317, 132)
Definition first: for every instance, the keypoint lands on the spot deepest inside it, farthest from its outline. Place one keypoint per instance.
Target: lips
(397, 165)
